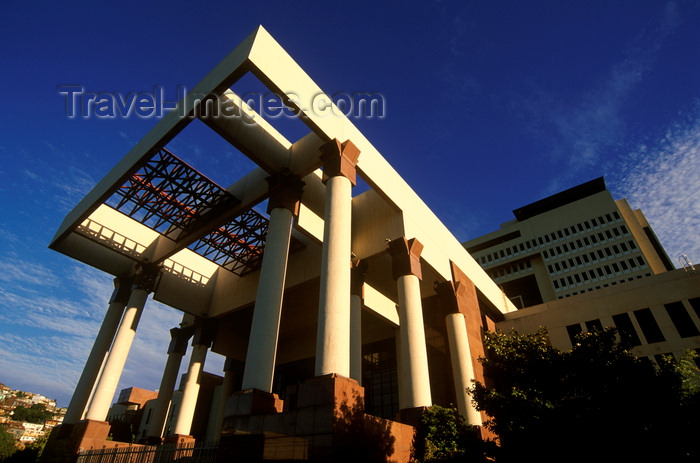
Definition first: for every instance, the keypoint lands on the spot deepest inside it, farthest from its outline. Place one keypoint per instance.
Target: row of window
(650, 330)
(588, 241)
(603, 285)
(507, 270)
(601, 254)
(562, 234)
(602, 272)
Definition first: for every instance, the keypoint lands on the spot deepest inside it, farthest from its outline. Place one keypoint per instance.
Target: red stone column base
(411, 416)
(178, 439)
(67, 440)
(253, 402)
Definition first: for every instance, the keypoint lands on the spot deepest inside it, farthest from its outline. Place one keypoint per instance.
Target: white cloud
(19, 272)
(663, 180)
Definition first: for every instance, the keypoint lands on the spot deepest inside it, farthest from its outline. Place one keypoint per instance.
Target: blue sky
(489, 106)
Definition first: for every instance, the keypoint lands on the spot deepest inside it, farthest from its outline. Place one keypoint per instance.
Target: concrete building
(580, 260)
(570, 243)
(341, 314)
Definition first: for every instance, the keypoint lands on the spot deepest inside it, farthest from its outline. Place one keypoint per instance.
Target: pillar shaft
(107, 385)
(176, 350)
(414, 353)
(357, 280)
(413, 360)
(333, 332)
(185, 414)
(333, 340)
(356, 338)
(462, 367)
(285, 194)
(226, 390)
(264, 331)
(100, 347)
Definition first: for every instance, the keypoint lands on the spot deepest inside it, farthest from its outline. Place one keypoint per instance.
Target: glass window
(572, 331)
(681, 319)
(626, 330)
(649, 327)
(594, 325)
(695, 304)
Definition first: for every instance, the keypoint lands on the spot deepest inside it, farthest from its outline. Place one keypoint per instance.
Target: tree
(597, 402)
(37, 413)
(30, 453)
(7, 444)
(443, 435)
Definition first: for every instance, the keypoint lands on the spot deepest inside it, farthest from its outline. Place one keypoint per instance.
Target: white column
(264, 331)
(333, 341)
(462, 367)
(356, 338)
(176, 350)
(183, 422)
(357, 281)
(401, 371)
(107, 385)
(333, 332)
(283, 204)
(414, 353)
(216, 424)
(94, 362)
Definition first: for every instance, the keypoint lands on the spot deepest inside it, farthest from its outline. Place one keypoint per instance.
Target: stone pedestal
(253, 402)
(328, 423)
(178, 439)
(411, 416)
(67, 440)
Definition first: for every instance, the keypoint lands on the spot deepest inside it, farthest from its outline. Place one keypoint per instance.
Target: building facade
(341, 314)
(570, 243)
(580, 260)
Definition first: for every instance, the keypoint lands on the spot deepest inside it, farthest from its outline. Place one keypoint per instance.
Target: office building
(570, 243)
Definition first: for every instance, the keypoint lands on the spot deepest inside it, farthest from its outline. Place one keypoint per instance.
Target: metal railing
(167, 453)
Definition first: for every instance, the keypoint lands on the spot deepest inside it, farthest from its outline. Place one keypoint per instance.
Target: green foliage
(30, 453)
(37, 413)
(597, 402)
(445, 436)
(7, 444)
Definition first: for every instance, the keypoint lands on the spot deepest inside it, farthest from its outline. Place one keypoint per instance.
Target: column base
(411, 416)
(152, 440)
(66, 440)
(253, 402)
(327, 423)
(178, 439)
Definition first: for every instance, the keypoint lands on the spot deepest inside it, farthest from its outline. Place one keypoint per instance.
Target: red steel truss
(237, 246)
(168, 195)
(171, 197)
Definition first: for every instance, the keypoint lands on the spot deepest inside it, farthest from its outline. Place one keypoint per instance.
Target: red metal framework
(171, 197)
(168, 195)
(237, 246)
